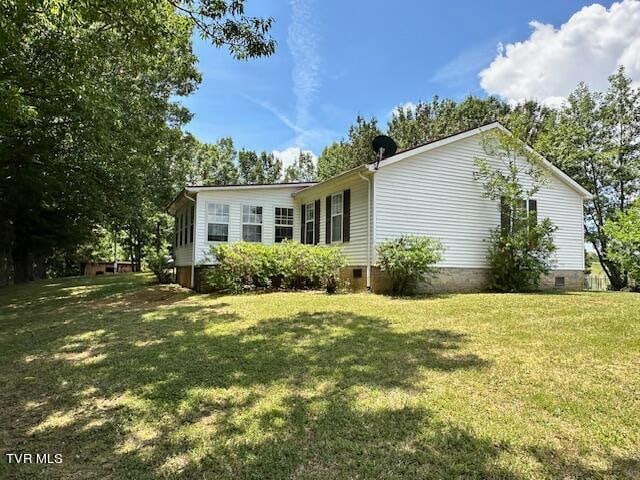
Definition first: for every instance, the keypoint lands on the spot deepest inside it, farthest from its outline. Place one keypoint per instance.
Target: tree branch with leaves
(521, 248)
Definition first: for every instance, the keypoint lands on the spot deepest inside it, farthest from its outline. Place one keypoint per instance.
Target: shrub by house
(407, 260)
(247, 266)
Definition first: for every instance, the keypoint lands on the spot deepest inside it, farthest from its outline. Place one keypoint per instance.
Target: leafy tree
(620, 114)
(302, 170)
(411, 126)
(332, 160)
(269, 168)
(258, 168)
(624, 234)
(428, 121)
(247, 166)
(215, 164)
(595, 140)
(473, 112)
(88, 113)
(224, 24)
(354, 152)
(521, 248)
(529, 120)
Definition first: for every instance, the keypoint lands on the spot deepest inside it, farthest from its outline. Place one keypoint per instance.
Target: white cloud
(550, 63)
(288, 156)
(404, 106)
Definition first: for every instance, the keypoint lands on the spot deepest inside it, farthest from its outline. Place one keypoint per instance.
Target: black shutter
(505, 216)
(316, 227)
(533, 212)
(303, 223)
(327, 238)
(346, 215)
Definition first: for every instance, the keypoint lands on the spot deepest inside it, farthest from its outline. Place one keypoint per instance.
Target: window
(185, 228)
(193, 211)
(526, 214)
(309, 223)
(175, 231)
(336, 217)
(251, 223)
(180, 230)
(284, 224)
(217, 222)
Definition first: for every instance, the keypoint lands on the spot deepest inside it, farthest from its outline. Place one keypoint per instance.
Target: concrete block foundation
(456, 280)
(447, 280)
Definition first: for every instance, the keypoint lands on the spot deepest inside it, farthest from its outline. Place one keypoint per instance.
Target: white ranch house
(428, 190)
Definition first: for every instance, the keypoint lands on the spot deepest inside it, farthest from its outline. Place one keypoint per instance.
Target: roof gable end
(398, 157)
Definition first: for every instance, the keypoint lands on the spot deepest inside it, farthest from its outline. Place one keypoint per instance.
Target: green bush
(519, 258)
(624, 247)
(246, 266)
(407, 260)
(159, 264)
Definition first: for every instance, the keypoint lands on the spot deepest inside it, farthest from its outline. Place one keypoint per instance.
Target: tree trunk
(138, 254)
(131, 257)
(4, 268)
(616, 276)
(22, 266)
(39, 267)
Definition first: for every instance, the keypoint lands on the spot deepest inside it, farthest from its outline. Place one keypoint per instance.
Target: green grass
(131, 380)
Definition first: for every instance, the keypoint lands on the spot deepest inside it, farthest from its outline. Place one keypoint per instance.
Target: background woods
(91, 134)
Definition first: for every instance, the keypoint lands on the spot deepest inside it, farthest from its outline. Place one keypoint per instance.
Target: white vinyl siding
(267, 198)
(355, 251)
(435, 194)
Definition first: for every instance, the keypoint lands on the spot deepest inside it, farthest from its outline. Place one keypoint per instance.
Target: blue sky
(336, 59)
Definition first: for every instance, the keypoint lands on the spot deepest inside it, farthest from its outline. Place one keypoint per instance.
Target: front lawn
(131, 380)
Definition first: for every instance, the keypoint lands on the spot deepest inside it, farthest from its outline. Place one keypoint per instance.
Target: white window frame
(280, 224)
(225, 212)
(334, 214)
(255, 222)
(310, 207)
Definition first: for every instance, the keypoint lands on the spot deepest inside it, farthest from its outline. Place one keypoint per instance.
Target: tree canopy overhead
(90, 132)
(595, 138)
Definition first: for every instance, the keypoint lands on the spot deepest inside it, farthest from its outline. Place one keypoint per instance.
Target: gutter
(193, 245)
(368, 229)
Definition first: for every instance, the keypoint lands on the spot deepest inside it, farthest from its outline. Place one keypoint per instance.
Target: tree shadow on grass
(182, 390)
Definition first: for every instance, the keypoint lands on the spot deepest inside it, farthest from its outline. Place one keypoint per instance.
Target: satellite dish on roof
(383, 147)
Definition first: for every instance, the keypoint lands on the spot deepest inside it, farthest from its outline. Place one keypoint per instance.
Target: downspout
(368, 228)
(193, 245)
